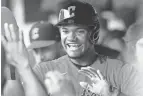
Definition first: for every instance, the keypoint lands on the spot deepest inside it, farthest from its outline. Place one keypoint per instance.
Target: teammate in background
(139, 57)
(79, 28)
(134, 33)
(113, 32)
(139, 54)
(45, 42)
(134, 53)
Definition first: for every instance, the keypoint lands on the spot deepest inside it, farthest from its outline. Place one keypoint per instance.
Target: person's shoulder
(54, 62)
(130, 68)
(42, 68)
(115, 62)
(121, 66)
(61, 60)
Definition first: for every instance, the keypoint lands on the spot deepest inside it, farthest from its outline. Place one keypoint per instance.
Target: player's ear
(89, 35)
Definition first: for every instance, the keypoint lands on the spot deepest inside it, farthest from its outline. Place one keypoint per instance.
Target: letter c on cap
(35, 33)
(71, 9)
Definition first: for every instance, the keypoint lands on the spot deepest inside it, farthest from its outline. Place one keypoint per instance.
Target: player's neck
(87, 59)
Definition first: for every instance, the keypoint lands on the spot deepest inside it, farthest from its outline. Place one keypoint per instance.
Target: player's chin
(75, 55)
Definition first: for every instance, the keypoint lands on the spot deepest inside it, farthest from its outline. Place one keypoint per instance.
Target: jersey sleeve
(41, 69)
(131, 82)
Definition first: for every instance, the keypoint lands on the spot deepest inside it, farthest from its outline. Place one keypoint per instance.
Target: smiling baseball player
(89, 73)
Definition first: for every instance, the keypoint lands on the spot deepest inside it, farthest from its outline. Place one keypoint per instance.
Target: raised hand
(99, 85)
(14, 46)
(58, 85)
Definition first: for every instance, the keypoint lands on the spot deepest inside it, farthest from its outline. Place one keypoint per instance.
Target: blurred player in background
(79, 29)
(112, 33)
(134, 52)
(134, 33)
(139, 54)
(116, 31)
(45, 42)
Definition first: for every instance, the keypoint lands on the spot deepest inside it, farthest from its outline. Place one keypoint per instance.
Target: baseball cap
(77, 12)
(43, 34)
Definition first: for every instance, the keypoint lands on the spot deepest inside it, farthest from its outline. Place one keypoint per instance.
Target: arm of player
(18, 56)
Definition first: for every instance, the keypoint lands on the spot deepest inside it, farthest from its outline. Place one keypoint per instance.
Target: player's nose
(72, 36)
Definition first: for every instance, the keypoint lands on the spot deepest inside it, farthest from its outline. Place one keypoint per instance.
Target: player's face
(75, 40)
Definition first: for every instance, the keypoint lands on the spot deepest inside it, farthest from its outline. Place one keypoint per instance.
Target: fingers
(20, 41)
(86, 73)
(96, 72)
(100, 75)
(3, 41)
(87, 69)
(92, 73)
(13, 36)
(7, 32)
(21, 35)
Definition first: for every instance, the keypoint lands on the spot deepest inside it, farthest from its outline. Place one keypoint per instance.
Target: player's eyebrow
(80, 28)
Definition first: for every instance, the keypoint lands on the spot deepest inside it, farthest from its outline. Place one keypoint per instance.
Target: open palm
(99, 84)
(14, 46)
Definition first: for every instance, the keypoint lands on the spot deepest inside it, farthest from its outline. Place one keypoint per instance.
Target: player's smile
(74, 46)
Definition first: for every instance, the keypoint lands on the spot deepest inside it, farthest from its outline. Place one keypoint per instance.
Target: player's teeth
(73, 45)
